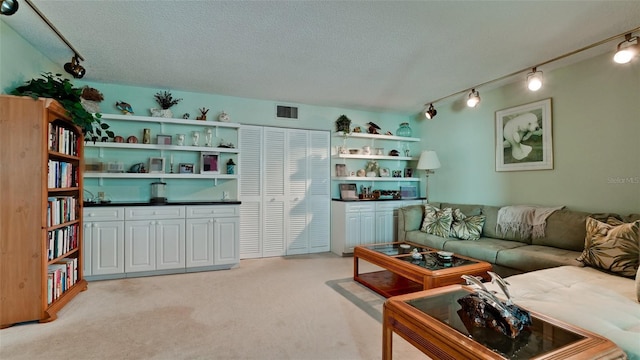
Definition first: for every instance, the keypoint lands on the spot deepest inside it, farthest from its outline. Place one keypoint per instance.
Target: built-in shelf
(114, 145)
(364, 178)
(375, 157)
(375, 136)
(105, 175)
(170, 120)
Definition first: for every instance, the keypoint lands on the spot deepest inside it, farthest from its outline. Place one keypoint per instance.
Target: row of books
(62, 240)
(62, 174)
(62, 140)
(61, 209)
(60, 277)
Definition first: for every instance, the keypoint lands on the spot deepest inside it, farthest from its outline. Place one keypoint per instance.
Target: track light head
(431, 112)
(74, 68)
(8, 7)
(474, 98)
(534, 80)
(627, 49)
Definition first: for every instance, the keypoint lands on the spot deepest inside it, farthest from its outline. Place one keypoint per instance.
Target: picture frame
(163, 139)
(348, 192)
(156, 165)
(397, 173)
(524, 137)
(408, 172)
(185, 168)
(341, 170)
(209, 162)
(384, 172)
(408, 192)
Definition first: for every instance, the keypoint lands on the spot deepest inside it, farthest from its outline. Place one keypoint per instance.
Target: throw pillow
(436, 221)
(638, 284)
(466, 227)
(612, 246)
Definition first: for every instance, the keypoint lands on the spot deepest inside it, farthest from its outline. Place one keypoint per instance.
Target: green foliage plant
(61, 89)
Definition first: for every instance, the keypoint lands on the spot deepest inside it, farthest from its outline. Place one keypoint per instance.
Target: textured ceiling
(383, 56)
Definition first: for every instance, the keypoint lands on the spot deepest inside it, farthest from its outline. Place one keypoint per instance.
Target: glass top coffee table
(403, 274)
(433, 322)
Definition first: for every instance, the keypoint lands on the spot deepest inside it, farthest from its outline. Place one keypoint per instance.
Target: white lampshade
(428, 160)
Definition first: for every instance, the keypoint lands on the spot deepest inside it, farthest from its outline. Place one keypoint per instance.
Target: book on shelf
(62, 174)
(61, 209)
(60, 277)
(62, 240)
(62, 140)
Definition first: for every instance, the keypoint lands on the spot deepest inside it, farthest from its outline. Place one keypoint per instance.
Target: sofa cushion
(536, 257)
(425, 239)
(469, 210)
(485, 249)
(466, 227)
(437, 221)
(412, 216)
(638, 284)
(612, 246)
(565, 229)
(491, 224)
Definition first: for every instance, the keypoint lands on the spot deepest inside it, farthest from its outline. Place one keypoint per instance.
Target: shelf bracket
(215, 182)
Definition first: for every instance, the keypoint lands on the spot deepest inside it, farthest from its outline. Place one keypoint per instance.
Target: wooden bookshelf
(41, 163)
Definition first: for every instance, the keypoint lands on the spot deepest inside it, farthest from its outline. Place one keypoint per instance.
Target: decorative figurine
(343, 124)
(186, 116)
(195, 137)
(180, 139)
(124, 107)
(230, 166)
(373, 128)
(203, 114)
(224, 117)
(208, 136)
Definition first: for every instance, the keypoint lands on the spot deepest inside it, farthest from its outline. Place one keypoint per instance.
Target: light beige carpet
(300, 307)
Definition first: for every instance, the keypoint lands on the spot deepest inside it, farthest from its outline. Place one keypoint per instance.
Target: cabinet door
(274, 199)
(352, 236)
(250, 183)
(296, 183)
(199, 242)
(170, 244)
(367, 227)
(384, 226)
(86, 249)
(319, 194)
(140, 246)
(107, 247)
(226, 242)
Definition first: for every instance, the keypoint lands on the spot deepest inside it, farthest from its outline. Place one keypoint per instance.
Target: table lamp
(428, 161)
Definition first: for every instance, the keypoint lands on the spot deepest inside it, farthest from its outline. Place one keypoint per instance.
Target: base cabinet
(367, 222)
(150, 240)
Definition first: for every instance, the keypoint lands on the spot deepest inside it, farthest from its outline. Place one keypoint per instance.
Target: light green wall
(596, 150)
(19, 61)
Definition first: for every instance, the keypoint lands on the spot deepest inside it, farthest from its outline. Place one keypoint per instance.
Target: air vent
(286, 112)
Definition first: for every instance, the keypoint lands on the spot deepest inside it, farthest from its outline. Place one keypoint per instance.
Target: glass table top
(394, 249)
(541, 337)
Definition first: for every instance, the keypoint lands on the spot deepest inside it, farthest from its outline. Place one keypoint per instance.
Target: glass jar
(404, 130)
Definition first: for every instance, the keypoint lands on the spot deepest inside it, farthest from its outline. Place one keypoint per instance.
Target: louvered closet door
(274, 199)
(319, 194)
(297, 181)
(251, 164)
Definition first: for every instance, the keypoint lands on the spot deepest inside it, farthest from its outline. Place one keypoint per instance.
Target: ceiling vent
(286, 112)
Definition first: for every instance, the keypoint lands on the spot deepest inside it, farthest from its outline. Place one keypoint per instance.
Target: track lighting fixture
(534, 79)
(474, 98)
(627, 49)
(8, 7)
(74, 68)
(431, 112)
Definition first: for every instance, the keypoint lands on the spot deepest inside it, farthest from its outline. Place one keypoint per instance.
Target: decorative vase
(163, 113)
(404, 130)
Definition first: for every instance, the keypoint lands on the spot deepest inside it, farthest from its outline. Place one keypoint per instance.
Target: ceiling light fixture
(474, 98)
(534, 79)
(74, 68)
(431, 112)
(627, 49)
(8, 7)
(630, 42)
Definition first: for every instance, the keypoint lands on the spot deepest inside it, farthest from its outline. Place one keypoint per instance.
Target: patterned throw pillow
(436, 221)
(466, 227)
(612, 246)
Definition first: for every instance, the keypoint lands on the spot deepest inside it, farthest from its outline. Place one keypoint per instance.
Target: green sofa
(509, 254)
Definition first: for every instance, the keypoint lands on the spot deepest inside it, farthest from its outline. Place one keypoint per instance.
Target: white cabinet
(285, 191)
(364, 222)
(212, 236)
(103, 242)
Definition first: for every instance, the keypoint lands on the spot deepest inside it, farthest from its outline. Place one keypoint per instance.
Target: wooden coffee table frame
(402, 277)
(439, 341)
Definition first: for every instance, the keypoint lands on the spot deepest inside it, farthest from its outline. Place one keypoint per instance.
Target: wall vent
(286, 112)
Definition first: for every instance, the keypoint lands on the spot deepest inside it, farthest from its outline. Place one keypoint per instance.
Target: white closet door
(274, 199)
(319, 194)
(250, 188)
(297, 183)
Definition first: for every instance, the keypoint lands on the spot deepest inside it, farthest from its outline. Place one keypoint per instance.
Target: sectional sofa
(544, 273)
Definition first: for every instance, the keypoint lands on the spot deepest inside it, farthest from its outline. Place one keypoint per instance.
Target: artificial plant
(166, 100)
